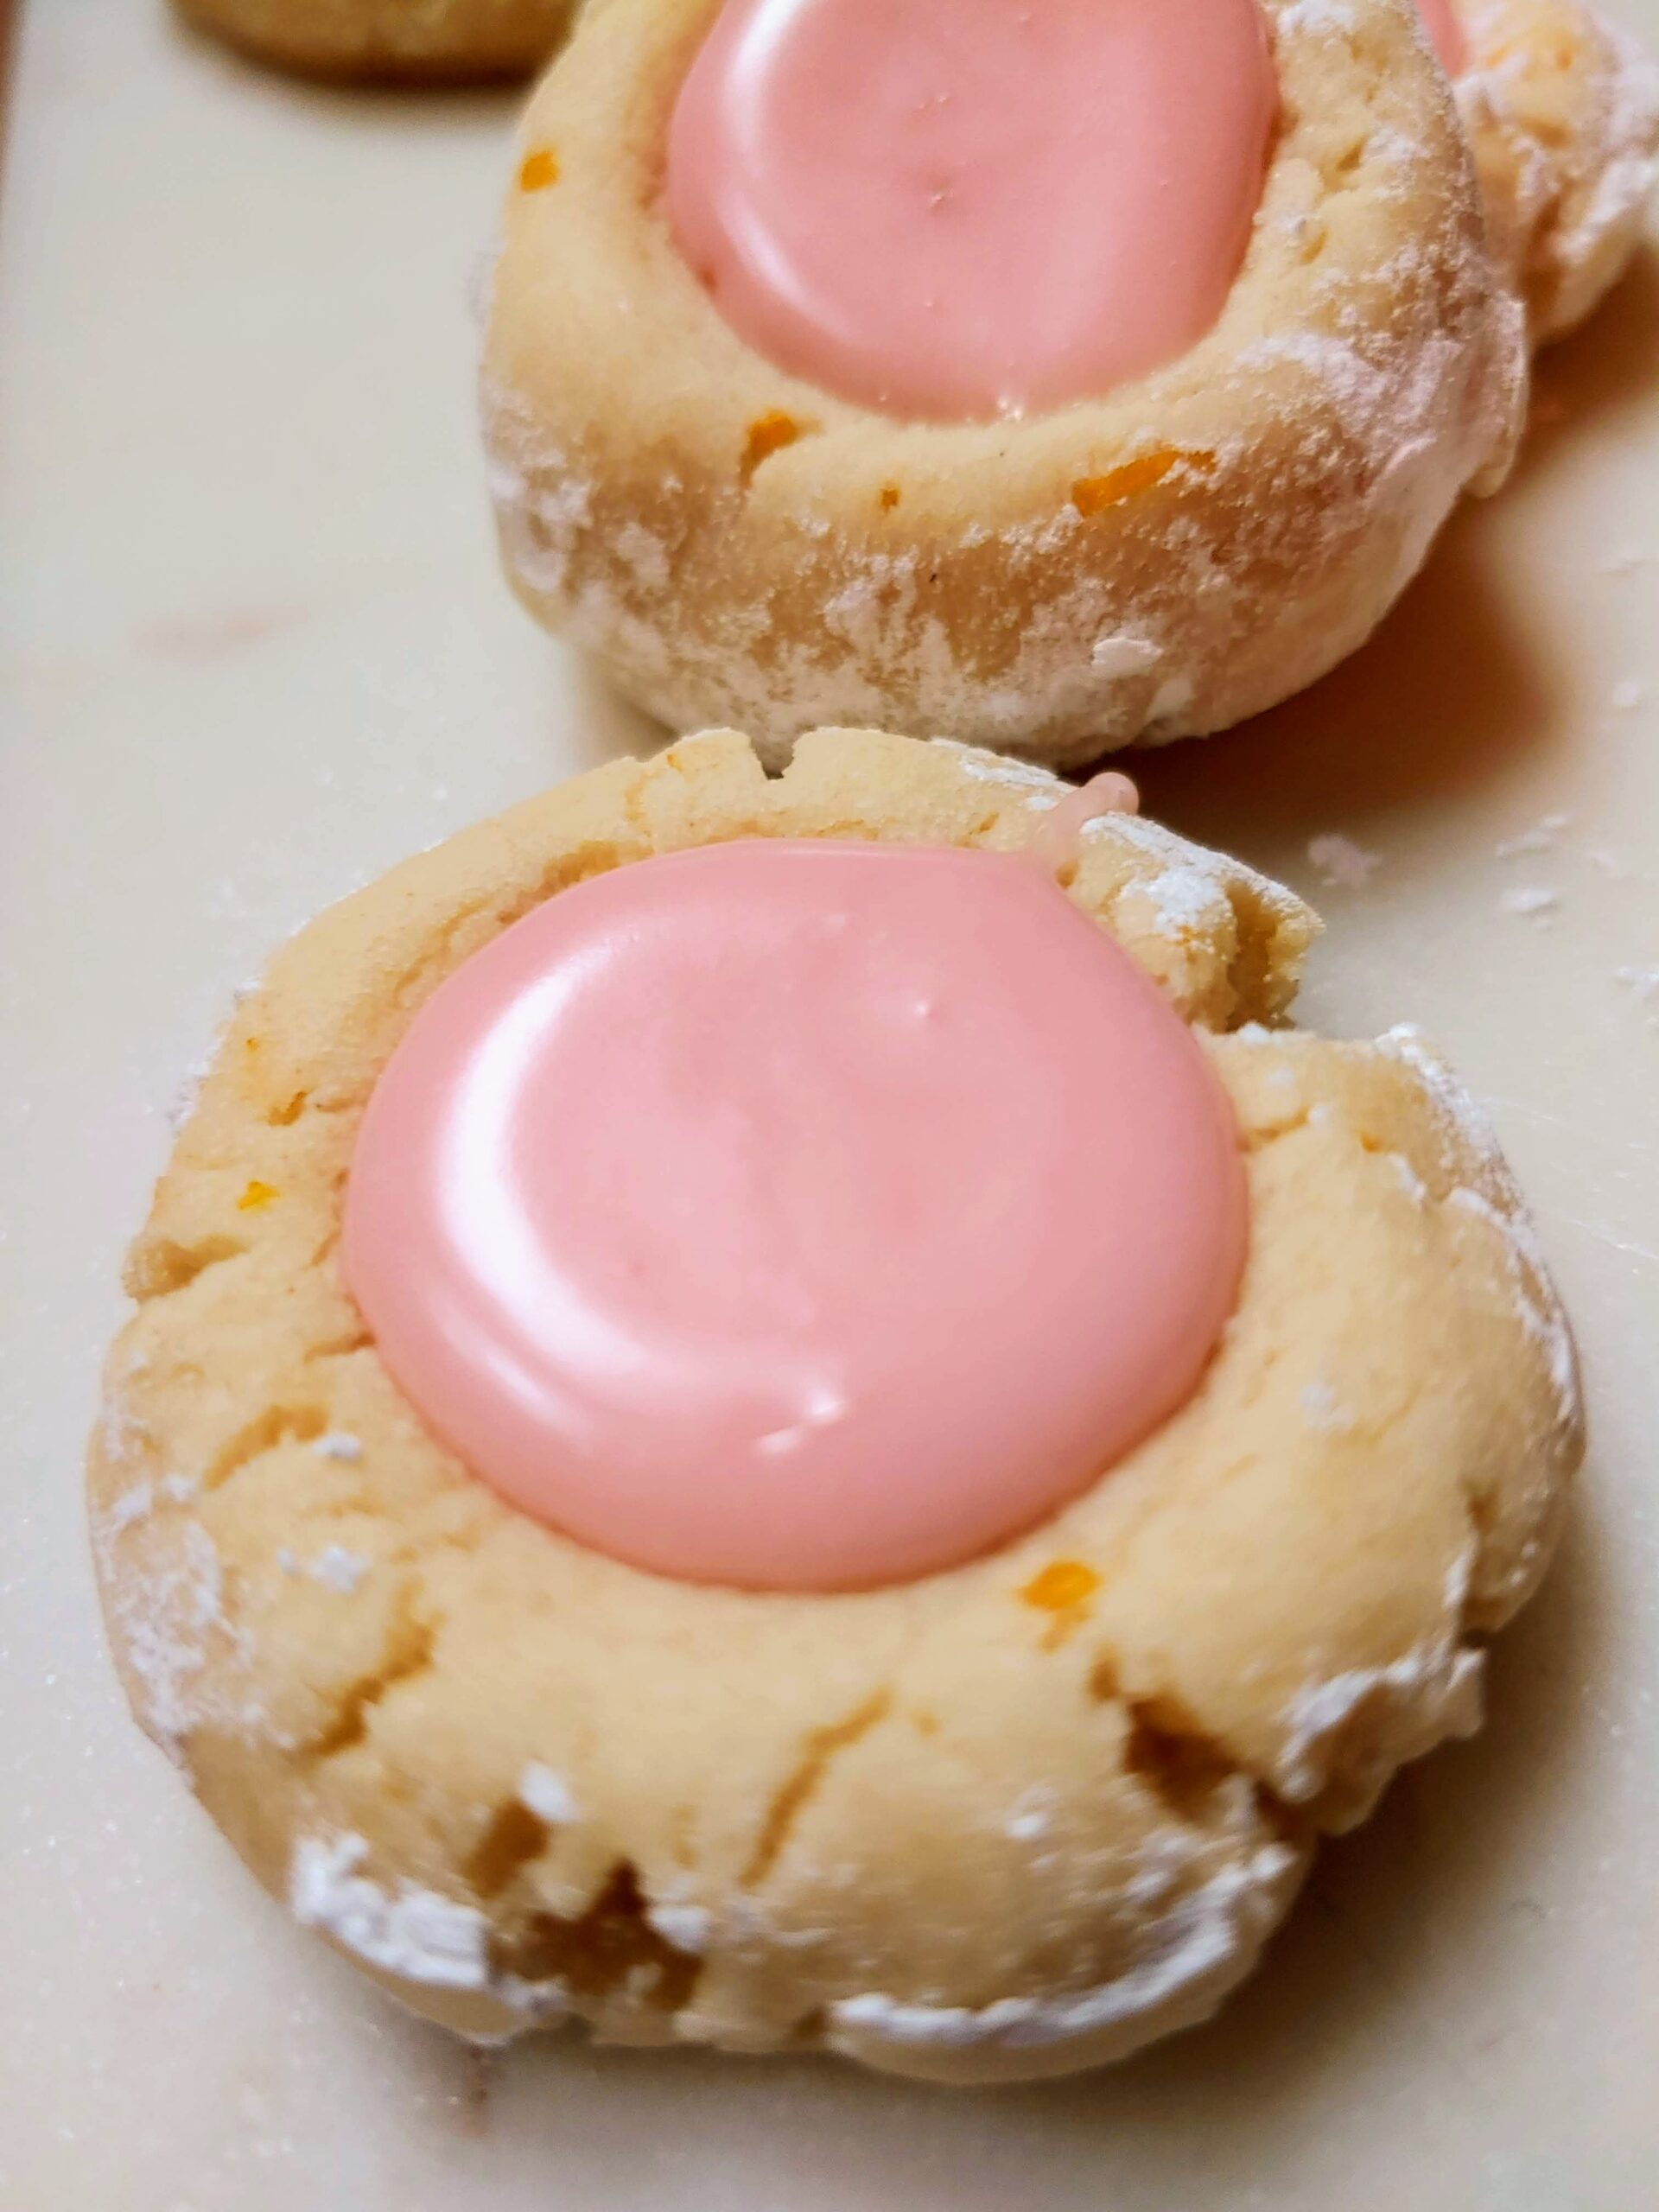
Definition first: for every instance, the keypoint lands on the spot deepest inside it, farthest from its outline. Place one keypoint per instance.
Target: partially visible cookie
(389, 40)
(1011, 1818)
(1159, 557)
(1562, 108)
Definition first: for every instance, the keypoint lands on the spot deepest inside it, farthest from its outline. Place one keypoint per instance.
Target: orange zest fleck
(1092, 495)
(1061, 1585)
(768, 433)
(257, 1194)
(889, 497)
(538, 170)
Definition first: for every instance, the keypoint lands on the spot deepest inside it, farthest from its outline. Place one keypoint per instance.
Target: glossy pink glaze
(951, 209)
(803, 1216)
(1445, 34)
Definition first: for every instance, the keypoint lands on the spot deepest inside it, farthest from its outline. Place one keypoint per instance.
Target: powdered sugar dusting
(1572, 197)
(1535, 1294)
(1194, 887)
(1537, 1303)
(404, 1930)
(1541, 837)
(163, 1607)
(1187, 906)
(687, 1926)
(1322, 1409)
(1343, 865)
(338, 1569)
(1029, 1815)
(549, 1795)
(1533, 902)
(1427, 1693)
(1192, 890)
(1039, 786)
(1202, 1944)
(1119, 656)
(131, 1506)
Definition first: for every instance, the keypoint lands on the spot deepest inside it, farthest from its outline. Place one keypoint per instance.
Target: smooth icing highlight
(798, 1215)
(951, 211)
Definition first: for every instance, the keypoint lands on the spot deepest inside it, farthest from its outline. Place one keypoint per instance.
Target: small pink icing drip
(1445, 34)
(796, 1215)
(1057, 841)
(951, 209)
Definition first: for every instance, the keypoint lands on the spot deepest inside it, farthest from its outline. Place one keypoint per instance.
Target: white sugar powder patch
(1537, 1305)
(1191, 892)
(1431, 1692)
(548, 1796)
(1322, 1409)
(1186, 904)
(1023, 776)
(131, 1506)
(1535, 1294)
(163, 1614)
(1541, 837)
(1343, 865)
(1124, 656)
(1172, 698)
(1439, 1688)
(338, 1569)
(687, 1926)
(404, 1930)
(1203, 1943)
(1408, 1180)
(1030, 1816)
(1533, 902)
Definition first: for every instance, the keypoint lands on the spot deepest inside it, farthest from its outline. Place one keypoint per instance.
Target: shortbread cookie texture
(1562, 108)
(738, 545)
(390, 40)
(1011, 1819)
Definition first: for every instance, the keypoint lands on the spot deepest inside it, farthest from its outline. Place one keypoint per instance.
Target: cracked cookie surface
(1013, 1818)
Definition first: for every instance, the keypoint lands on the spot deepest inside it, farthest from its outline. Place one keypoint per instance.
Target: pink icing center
(954, 208)
(1445, 33)
(803, 1216)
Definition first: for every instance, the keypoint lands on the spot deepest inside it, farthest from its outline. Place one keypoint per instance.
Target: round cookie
(1013, 1818)
(1562, 109)
(737, 544)
(389, 40)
